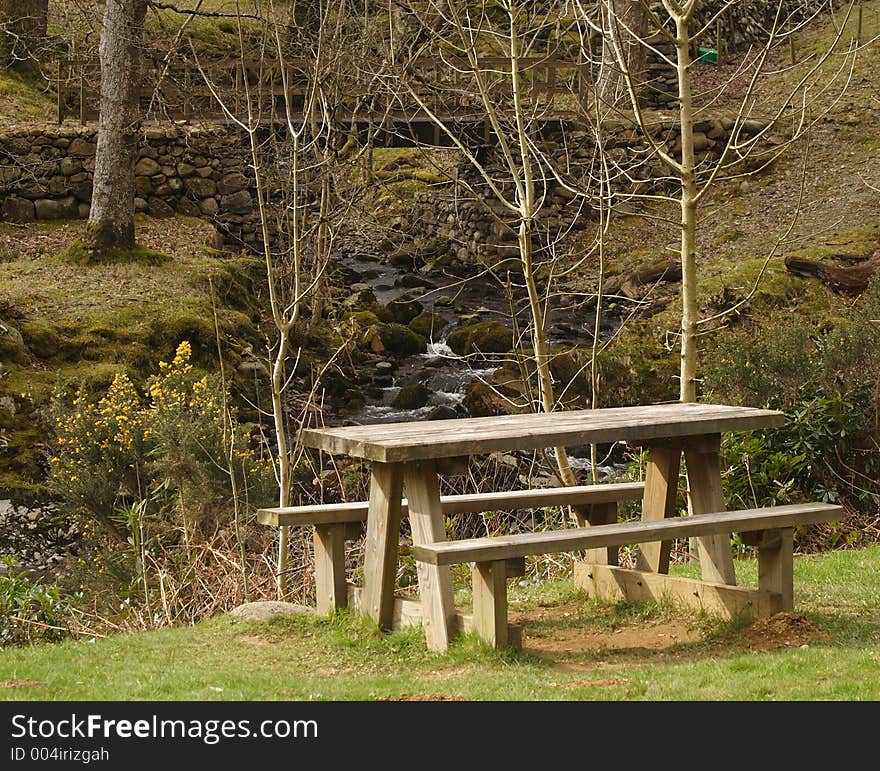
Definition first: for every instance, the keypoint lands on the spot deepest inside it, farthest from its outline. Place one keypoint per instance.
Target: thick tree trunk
(623, 23)
(111, 220)
(22, 32)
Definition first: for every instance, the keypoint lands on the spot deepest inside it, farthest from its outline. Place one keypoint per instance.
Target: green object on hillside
(708, 56)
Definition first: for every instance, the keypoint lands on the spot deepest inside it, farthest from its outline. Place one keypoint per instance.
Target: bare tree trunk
(111, 220)
(283, 465)
(624, 23)
(688, 384)
(322, 251)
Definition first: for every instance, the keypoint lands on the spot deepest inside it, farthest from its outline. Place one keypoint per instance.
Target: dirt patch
(252, 639)
(783, 630)
(21, 683)
(567, 641)
(443, 673)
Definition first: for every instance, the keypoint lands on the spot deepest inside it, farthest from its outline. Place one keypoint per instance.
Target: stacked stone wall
(46, 174)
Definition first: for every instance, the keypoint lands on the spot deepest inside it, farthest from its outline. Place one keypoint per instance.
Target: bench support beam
(776, 565)
(599, 514)
(490, 602)
(661, 491)
(703, 460)
(616, 584)
(330, 589)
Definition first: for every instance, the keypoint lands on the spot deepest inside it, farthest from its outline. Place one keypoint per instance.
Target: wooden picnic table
(410, 457)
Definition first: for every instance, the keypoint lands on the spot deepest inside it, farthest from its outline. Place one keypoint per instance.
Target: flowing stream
(446, 375)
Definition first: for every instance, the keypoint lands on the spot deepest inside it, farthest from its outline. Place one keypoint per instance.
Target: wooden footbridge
(186, 91)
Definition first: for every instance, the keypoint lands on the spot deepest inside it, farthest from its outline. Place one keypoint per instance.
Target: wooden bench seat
(356, 511)
(336, 522)
(773, 527)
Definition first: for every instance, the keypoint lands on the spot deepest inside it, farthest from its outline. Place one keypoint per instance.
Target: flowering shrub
(175, 447)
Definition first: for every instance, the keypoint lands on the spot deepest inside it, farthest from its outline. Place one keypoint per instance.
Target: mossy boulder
(47, 341)
(481, 337)
(404, 309)
(571, 373)
(483, 399)
(400, 339)
(12, 349)
(362, 319)
(412, 397)
(428, 324)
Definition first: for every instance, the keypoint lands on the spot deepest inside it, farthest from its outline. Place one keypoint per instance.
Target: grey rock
(209, 206)
(47, 209)
(159, 208)
(80, 147)
(232, 183)
(147, 167)
(237, 203)
(18, 210)
(200, 188)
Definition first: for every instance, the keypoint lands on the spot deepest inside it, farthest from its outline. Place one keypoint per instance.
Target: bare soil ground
(583, 646)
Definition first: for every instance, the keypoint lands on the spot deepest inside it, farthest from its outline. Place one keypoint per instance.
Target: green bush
(30, 611)
(823, 376)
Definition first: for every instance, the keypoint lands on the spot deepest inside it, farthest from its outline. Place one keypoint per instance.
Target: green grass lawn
(345, 658)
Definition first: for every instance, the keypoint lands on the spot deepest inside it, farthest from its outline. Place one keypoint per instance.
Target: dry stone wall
(466, 217)
(46, 174)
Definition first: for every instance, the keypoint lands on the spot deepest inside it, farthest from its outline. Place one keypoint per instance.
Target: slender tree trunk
(111, 220)
(283, 466)
(528, 208)
(539, 343)
(322, 250)
(688, 384)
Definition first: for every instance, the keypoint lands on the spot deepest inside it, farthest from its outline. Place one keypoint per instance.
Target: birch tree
(495, 47)
(806, 102)
(295, 168)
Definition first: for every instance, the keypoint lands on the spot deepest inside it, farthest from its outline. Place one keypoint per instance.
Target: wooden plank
(616, 584)
(776, 566)
(416, 440)
(428, 527)
(330, 586)
(407, 613)
(382, 542)
(555, 541)
(703, 461)
(490, 602)
(661, 493)
(506, 500)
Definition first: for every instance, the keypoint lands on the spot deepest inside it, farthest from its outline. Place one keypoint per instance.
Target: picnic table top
(421, 440)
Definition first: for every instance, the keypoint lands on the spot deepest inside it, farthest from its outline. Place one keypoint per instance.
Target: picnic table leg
(703, 458)
(383, 539)
(598, 514)
(661, 491)
(330, 586)
(428, 526)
